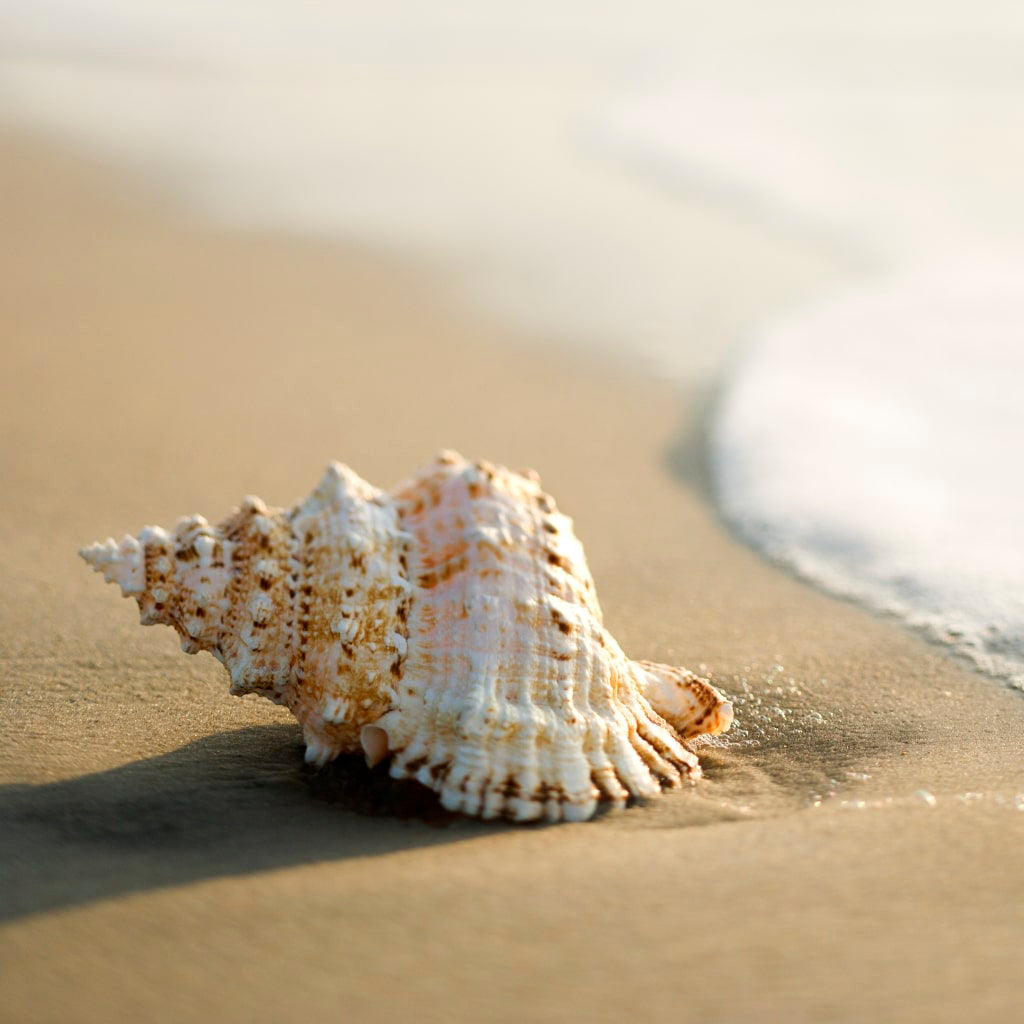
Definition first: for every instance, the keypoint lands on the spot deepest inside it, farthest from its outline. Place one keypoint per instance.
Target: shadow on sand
(244, 802)
(230, 804)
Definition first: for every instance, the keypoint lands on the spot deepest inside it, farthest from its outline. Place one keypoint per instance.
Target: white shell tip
(120, 563)
(98, 554)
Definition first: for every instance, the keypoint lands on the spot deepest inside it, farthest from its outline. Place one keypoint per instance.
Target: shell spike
(374, 741)
(338, 488)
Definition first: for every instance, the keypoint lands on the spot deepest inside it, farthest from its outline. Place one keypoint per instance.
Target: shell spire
(122, 563)
(178, 579)
(449, 627)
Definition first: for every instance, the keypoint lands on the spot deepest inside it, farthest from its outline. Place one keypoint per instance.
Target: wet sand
(162, 854)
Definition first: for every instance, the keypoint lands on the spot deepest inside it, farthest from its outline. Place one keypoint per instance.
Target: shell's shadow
(229, 804)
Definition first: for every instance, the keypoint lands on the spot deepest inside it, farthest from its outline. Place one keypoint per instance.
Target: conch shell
(450, 625)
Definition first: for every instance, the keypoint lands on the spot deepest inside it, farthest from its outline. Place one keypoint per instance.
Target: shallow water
(869, 443)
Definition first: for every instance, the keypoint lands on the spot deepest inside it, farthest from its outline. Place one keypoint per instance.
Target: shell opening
(725, 716)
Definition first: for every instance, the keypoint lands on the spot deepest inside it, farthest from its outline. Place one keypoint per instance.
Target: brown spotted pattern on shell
(450, 625)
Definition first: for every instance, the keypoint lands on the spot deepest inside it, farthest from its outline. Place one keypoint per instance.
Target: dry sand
(162, 857)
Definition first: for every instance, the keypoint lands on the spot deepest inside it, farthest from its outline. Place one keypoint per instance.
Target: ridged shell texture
(450, 625)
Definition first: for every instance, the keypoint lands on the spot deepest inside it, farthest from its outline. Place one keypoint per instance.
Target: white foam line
(873, 443)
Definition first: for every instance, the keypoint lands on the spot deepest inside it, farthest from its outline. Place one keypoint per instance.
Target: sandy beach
(853, 852)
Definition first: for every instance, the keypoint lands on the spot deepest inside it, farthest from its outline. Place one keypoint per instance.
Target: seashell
(450, 625)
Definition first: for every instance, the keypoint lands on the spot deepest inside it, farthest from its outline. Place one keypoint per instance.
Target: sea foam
(874, 442)
(871, 438)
